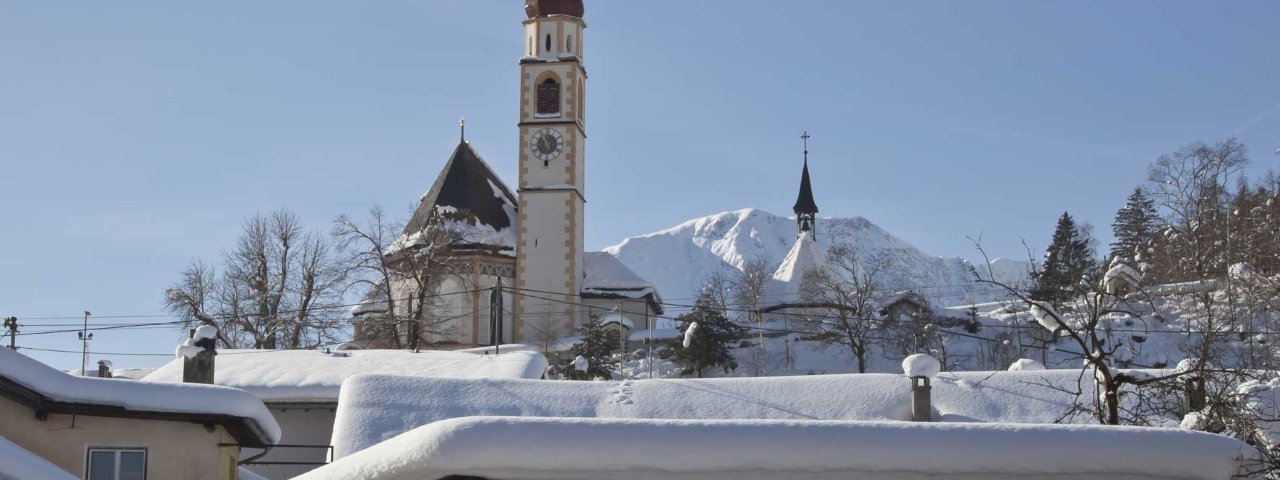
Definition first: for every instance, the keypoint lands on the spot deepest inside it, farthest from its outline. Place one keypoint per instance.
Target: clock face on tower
(546, 144)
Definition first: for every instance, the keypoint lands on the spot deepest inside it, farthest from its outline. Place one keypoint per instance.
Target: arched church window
(549, 96)
(548, 42)
(531, 52)
(568, 43)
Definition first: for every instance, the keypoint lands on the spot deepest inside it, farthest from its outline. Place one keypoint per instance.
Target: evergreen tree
(709, 344)
(1135, 224)
(1067, 261)
(596, 348)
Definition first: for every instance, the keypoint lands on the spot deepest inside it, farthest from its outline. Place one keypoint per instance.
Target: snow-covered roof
(608, 277)
(300, 376)
(376, 407)
(120, 373)
(17, 463)
(805, 256)
(474, 203)
(520, 448)
(58, 392)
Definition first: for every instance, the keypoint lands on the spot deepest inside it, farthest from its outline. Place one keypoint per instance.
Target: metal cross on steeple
(462, 129)
(805, 137)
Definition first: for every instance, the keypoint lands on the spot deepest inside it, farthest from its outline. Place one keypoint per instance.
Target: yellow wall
(175, 450)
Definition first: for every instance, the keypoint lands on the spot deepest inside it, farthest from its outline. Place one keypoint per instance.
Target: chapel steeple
(806, 209)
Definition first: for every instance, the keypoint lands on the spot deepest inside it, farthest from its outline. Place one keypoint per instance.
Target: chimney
(197, 355)
(921, 403)
(104, 368)
(921, 368)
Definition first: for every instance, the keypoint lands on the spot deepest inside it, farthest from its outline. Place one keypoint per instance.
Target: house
(301, 388)
(115, 430)
(524, 448)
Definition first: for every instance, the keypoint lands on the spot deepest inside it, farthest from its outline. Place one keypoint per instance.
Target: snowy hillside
(679, 258)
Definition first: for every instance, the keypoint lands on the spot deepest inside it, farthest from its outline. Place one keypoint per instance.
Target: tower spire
(806, 209)
(462, 130)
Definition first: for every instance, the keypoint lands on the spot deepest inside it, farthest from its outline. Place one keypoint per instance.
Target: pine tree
(1067, 261)
(1135, 224)
(709, 345)
(596, 348)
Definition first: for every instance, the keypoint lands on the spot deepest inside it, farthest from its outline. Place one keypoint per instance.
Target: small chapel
(509, 264)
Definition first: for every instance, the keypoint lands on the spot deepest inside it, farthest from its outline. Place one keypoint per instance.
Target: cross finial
(462, 129)
(805, 137)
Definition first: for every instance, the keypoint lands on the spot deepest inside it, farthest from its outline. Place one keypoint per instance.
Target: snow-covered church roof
(608, 277)
(474, 203)
(784, 286)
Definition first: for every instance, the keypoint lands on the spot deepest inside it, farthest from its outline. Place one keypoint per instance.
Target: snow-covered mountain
(678, 259)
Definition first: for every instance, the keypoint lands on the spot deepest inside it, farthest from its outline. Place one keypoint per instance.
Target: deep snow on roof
(375, 408)
(137, 396)
(517, 448)
(473, 200)
(17, 463)
(784, 286)
(315, 376)
(607, 275)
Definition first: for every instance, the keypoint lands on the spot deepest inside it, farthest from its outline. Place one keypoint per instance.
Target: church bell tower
(549, 244)
(806, 209)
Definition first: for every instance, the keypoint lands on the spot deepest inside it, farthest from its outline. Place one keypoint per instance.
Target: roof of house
(608, 277)
(48, 390)
(20, 464)
(306, 376)
(376, 407)
(519, 448)
(474, 203)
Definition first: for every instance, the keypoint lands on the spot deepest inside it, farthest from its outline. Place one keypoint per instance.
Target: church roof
(474, 203)
(608, 277)
(804, 202)
(546, 8)
(784, 287)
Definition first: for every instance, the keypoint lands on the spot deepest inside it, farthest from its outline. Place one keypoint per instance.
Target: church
(510, 266)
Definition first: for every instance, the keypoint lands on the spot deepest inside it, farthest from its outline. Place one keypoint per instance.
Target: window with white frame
(117, 464)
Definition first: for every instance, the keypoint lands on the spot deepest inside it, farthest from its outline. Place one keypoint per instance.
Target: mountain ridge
(679, 258)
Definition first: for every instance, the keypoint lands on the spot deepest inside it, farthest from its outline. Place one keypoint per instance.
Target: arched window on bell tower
(549, 97)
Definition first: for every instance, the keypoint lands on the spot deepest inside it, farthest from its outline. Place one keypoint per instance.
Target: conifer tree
(708, 347)
(1135, 224)
(596, 348)
(1067, 261)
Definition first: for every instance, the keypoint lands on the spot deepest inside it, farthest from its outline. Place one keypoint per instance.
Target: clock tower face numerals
(546, 144)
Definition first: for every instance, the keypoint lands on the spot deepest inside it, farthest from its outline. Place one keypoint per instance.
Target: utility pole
(495, 316)
(85, 336)
(622, 341)
(11, 324)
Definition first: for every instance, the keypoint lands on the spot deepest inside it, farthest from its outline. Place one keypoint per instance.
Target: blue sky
(135, 137)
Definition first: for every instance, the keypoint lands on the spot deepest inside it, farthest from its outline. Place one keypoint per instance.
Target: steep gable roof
(784, 287)
(608, 277)
(473, 201)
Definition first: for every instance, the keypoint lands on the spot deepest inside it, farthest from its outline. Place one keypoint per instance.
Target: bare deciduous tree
(842, 294)
(747, 289)
(278, 288)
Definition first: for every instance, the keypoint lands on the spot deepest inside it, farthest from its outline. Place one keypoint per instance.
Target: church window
(548, 42)
(568, 43)
(531, 52)
(549, 96)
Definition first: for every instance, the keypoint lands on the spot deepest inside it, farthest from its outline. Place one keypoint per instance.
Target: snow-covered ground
(314, 376)
(678, 259)
(517, 448)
